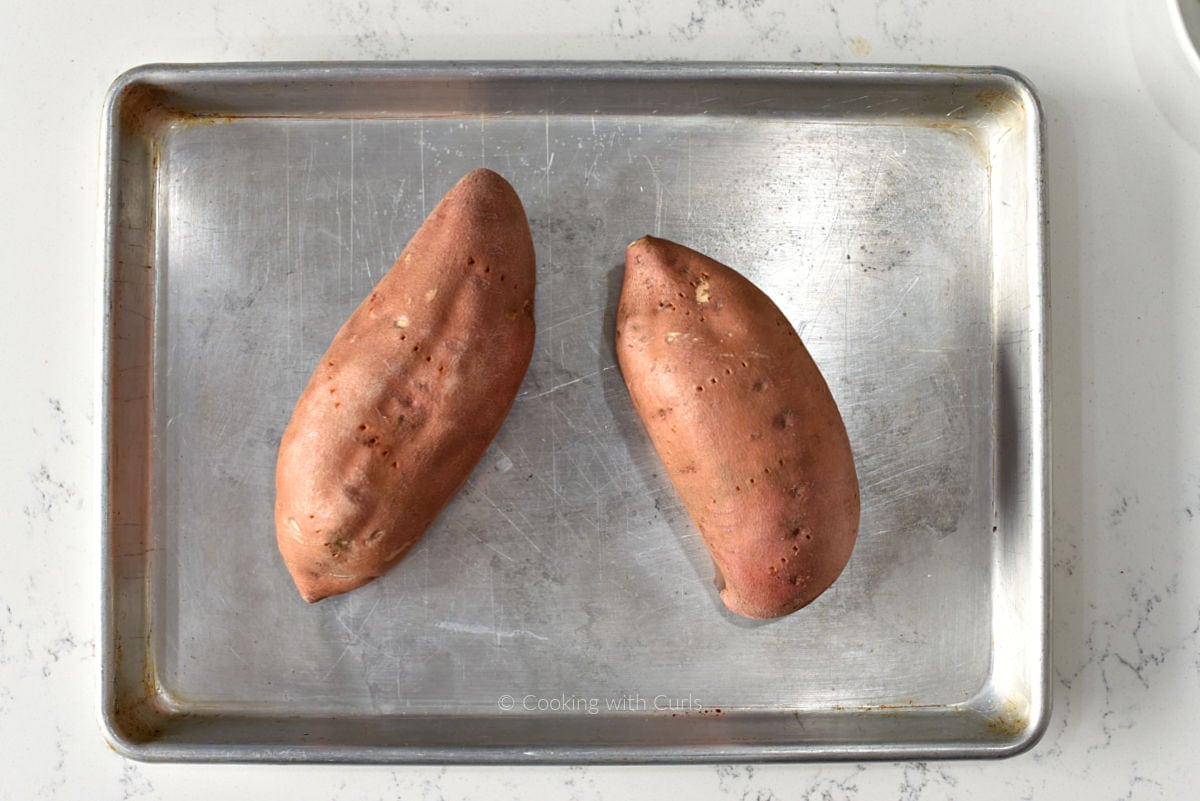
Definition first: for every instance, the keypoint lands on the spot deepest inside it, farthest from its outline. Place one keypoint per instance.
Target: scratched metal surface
(895, 217)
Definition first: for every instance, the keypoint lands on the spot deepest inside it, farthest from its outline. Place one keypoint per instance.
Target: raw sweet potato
(744, 423)
(410, 392)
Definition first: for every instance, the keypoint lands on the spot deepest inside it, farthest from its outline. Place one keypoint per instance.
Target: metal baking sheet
(562, 609)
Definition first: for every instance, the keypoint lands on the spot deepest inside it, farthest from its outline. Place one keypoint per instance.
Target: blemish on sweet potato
(338, 546)
(800, 492)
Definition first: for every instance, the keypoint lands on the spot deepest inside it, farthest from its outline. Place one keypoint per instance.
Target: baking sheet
(563, 608)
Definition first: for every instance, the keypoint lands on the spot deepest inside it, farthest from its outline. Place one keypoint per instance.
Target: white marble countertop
(1124, 193)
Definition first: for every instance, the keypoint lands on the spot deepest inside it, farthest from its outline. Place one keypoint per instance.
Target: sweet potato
(410, 392)
(744, 423)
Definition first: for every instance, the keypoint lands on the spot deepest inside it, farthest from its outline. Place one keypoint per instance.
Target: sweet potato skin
(744, 423)
(410, 392)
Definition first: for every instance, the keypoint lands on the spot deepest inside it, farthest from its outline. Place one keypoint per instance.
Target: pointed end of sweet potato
(648, 250)
(485, 186)
(739, 605)
(322, 587)
(312, 588)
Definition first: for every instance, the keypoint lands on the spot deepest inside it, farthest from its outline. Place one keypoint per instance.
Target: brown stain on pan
(147, 110)
(997, 100)
(1009, 720)
(138, 716)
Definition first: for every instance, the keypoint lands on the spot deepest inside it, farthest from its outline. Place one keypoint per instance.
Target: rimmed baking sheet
(562, 608)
